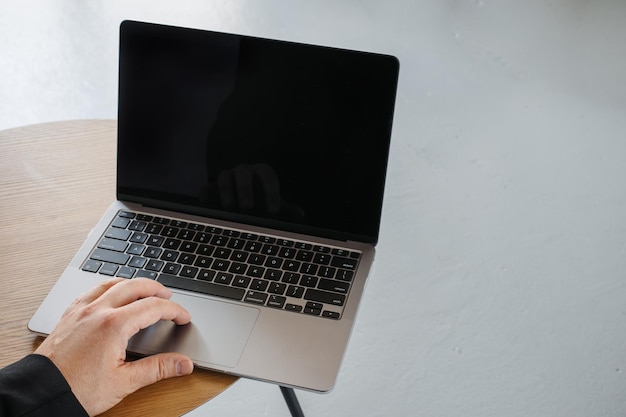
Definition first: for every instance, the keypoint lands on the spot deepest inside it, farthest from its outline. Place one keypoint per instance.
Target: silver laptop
(250, 177)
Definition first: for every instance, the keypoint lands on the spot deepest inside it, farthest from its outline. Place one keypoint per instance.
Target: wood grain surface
(56, 180)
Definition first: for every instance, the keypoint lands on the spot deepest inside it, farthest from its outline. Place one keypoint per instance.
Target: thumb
(154, 368)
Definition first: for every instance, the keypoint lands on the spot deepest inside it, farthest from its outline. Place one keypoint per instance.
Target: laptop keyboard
(258, 269)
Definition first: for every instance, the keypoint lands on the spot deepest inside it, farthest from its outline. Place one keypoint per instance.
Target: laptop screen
(270, 133)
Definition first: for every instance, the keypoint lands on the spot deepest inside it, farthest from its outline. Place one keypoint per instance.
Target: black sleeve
(34, 387)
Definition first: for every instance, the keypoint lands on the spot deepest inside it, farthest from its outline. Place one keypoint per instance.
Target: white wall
(499, 288)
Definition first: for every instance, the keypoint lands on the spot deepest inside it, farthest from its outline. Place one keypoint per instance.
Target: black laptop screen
(271, 133)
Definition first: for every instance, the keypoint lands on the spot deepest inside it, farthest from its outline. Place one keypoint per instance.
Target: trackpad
(217, 334)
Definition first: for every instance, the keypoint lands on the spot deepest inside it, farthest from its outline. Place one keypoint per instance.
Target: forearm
(34, 387)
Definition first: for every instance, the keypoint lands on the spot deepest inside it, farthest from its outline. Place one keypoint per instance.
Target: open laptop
(250, 177)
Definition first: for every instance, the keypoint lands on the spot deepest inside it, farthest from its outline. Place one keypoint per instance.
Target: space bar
(201, 287)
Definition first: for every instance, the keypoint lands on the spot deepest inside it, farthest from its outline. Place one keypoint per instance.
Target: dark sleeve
(34, 387)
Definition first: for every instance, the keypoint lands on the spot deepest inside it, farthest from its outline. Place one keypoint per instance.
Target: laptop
(250, 179)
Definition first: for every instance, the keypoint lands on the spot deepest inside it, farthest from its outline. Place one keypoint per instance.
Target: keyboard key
(108, 269)
(206, 275)
(203, 262)
(321, 249)
(291, 277)
(172, 244)
(273, 262)
(288, 253)
(255, 271)
(330, 314)
(135, 249)
(187, 259)
(153, 252)
(219, 240)
(326, 272)
(304, 256)
(273, 274)
(137, 226)
(205, 250)
(154, 229)
(146, 274)
(271, 250)
(214, 230)
(255, 297)
(321, 258)
(137, 262)
(203, 287)
(312, 311)
(121, 222)
(293, 307)
(277, 288)
(309, 269)
(186, 234)
(106, 255)
(317, 306)
(324, 297)
(333, 285)
(295, 291)
(138, 237)
(344, 275)
(276, 301)
(189, 247)
(189, 272)
(238, 268)
(170, 231)
(171, 268)
(241, 281)
(253, 247)
(120, 234)
(92, 266)
(231, 233)
(161, 220)
(345, 263)
(154, 240)
(127, 214)
(170, 255)
(239, 256)
(195, 227)
(202, 238)
(256, 259)
(259, 285)
(223, 278)
(222, 253)
(308, 281)
(113, 244)
(220, 265)
(126, 272)
(154, 265)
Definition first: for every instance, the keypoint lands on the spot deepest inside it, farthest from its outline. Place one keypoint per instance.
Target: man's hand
(89, 343)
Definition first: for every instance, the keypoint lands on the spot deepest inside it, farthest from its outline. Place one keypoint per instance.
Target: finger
(151, 369)
(97, 291)
(132, 290)
(147, 311)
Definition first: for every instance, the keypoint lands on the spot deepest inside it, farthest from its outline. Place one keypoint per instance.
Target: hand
(89, 343)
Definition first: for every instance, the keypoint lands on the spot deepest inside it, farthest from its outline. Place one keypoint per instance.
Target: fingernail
(184, 367)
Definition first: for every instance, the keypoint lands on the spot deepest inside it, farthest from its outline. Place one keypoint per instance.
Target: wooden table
(56, 180)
